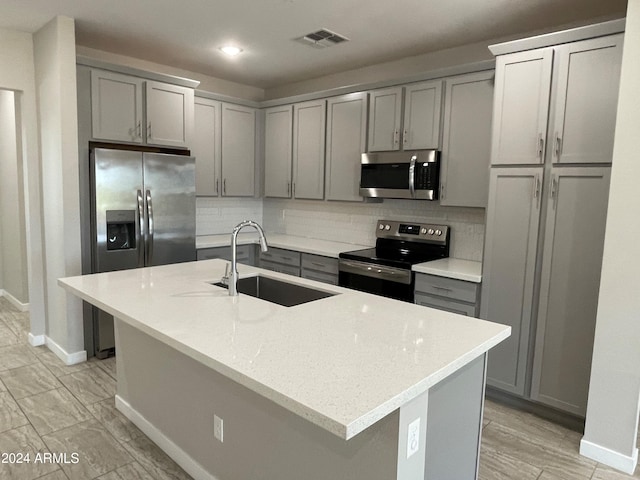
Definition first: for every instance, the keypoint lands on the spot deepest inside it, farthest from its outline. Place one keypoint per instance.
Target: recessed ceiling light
(231, 50)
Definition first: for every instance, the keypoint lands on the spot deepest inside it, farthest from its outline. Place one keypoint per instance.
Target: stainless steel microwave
(412, 174)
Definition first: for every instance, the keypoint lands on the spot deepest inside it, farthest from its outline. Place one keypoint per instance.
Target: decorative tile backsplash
(342, 221)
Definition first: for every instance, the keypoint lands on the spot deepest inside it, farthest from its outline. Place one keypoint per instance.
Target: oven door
(381, 280)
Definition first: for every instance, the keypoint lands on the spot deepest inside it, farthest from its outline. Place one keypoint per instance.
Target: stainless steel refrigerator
(143, 214)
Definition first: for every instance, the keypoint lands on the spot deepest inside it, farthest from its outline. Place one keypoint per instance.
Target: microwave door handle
(412, 170)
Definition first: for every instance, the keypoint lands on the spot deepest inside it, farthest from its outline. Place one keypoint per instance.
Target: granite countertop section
(290, 242)
(342, 362)
(457, 268)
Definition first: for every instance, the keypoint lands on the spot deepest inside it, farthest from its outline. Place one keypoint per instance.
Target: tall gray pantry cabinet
(552, 144)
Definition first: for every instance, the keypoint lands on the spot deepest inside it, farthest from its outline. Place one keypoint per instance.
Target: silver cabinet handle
(540, 145)
(405, 137)
(150, 222)
(140, 232)
(139, 128)
(288, 188)
(224, 186)
(444, 289)
(293, 189)
(217, 183)
(149, 130)
(318, 264)
(558, 147)
(442, 191)
(536, 190)
(554, 190)
(396, 134)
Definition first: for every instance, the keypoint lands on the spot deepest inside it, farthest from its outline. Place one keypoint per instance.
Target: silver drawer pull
(317, 264)
(444, 289)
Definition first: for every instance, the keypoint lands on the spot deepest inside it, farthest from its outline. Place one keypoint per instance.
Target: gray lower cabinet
(319, 268)
(244, 254)
(513, 216)
(280, 260)
(451, 295)
(569, 285)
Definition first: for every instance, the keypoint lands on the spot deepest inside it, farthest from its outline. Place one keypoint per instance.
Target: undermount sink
(277, 291)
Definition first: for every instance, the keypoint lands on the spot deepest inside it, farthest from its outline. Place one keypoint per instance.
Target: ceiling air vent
(322, 38)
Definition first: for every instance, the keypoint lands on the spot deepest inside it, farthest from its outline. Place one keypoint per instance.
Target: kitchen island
(350, 386)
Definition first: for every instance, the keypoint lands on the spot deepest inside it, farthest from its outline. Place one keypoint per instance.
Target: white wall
(55, 70)
(354, 222)
(17, 73)
(614, 391)
(209, 84)
(13, 254)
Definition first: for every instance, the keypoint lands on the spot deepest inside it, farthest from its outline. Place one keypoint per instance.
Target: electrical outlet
(218, 428)
(413, 437)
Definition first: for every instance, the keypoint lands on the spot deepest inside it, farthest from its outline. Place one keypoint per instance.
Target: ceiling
(187, 33)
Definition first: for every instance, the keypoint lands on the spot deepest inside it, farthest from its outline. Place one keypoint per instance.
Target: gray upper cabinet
(422, 115)
(116, 107)
(278, 125)
(521, 107)
(587, 99)
(466, 140)
(385, 110)
(571, 264)
(238, 144)
(405, 118)
(206, 146)
(346, 140)
(308, 149)
(118, 114)
(169, 114)
(513, 216)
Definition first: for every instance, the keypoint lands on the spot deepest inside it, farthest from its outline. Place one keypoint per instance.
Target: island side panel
(454, 424)
(174, 398)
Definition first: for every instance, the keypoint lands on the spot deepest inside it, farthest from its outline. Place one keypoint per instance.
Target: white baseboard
(62, 354)
(23, 307)
(181, 457)
(614, 459)
(36, 340)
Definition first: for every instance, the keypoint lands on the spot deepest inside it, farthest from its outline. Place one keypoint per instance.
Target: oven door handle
(382, 272)
(412, 175)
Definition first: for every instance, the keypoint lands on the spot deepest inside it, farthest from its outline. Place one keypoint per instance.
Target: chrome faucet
(232, 277)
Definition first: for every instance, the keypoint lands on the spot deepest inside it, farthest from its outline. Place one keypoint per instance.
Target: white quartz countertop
(290, 242)
(457, 268)
(342, 362)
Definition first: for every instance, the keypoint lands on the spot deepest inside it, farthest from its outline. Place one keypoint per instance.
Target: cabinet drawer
(278, 267)
(243, 253)
(279, 255)
(447, 287)
(319, 263)
(331, 278)
(446, 305)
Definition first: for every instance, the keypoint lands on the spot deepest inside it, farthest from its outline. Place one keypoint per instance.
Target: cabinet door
(521, 107)
(346, 141)
(385, 108)
(466, 141)
(308, 149)
(277, 152)
(587, 100)
(571, 264)
(513, 216)
(422, 109)
(206, 146)
(116, 107)
(238, 150)
(169, 114)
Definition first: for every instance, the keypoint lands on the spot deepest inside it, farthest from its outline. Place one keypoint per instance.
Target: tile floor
(47, 407)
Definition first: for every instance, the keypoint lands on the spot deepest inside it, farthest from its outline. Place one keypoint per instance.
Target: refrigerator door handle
(150, 225)
(140, 233)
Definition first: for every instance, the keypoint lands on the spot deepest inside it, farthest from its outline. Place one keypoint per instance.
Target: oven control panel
(413, 231)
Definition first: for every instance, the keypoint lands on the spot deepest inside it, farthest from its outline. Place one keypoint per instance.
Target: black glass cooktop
(394, 257)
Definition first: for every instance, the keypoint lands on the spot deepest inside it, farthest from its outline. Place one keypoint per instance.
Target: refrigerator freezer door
(170, 207)
(116, 204)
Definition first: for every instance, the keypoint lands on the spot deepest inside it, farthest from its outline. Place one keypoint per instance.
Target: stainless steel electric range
(386, 269)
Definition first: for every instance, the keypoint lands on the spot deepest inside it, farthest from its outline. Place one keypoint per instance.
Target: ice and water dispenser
(121, 229)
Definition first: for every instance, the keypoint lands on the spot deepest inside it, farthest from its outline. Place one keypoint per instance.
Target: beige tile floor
(46, 406)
